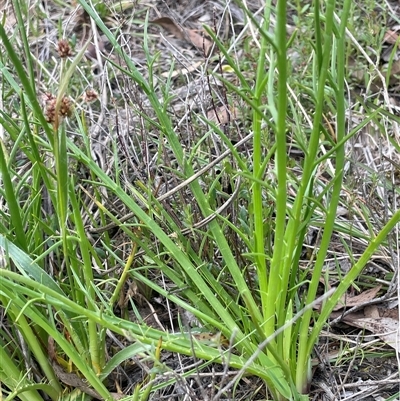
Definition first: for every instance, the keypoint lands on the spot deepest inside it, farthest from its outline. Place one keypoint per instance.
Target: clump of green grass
(240, 278)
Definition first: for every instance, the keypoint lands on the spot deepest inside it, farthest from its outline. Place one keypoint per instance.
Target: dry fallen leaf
(200, 41)
(170, 25)
(390, 37)
(360, 299)
(190, 35)
(220, 115)
(378, 322)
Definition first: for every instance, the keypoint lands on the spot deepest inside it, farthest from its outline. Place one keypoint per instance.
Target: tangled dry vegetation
(350, 363)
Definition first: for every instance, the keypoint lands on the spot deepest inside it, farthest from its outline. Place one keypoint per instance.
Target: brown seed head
(49, 106)
(64, 48)
(66, 107)
(90, 96)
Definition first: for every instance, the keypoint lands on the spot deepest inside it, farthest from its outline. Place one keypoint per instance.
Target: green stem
(259, 239)
(304, 350)
(278, 276)
(87, 271)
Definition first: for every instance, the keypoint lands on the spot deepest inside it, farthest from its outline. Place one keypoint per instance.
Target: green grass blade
(12, 202)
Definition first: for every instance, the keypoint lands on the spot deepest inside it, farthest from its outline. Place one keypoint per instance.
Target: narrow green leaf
(12, 203)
